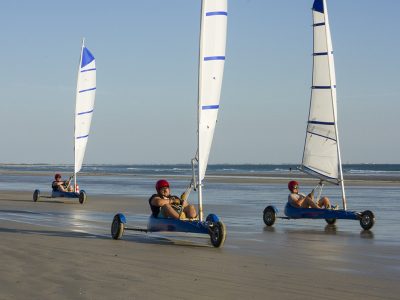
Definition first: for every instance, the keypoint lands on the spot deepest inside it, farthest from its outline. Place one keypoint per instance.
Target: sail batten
(84, 107)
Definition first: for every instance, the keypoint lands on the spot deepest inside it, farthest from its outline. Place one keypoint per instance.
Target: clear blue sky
(146, 55)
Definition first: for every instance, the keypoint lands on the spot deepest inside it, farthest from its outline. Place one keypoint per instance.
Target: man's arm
(158, 201)
(296, 200)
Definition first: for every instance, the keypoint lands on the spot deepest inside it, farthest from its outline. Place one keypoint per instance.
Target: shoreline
(256, 178)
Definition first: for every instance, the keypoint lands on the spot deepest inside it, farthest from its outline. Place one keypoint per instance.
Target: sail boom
(319, 175)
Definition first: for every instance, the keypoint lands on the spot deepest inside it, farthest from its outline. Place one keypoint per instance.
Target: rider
(296, 199)
(164, 205)
(61, 186)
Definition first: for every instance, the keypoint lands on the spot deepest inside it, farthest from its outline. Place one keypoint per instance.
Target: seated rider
(164, 205)
(296, 199)
(60, 185)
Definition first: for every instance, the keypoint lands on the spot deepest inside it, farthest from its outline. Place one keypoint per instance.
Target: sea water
(240, 205)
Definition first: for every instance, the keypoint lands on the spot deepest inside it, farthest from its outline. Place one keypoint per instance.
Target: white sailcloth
(211, 69)
(85, 96)
(321, 153)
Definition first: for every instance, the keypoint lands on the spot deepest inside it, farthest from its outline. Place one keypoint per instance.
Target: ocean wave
(355, 171)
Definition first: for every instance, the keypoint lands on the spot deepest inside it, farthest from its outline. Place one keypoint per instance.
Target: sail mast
(199, 186)
(75, 115)
(334, 102)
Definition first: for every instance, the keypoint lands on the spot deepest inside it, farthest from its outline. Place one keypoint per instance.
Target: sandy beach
(56, 249)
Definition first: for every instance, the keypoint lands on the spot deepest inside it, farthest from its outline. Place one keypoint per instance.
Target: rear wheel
(269, 216)
(330, 221)
(217, 234)
(367, 220)
(36, 195)
(117, 228)
(82, 197)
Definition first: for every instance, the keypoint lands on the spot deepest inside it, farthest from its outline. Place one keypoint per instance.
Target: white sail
(211, 69)
(321, 151)
(85, 96)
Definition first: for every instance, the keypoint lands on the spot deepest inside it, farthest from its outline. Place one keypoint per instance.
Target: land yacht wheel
(330, 221)
(269, 216)
(82, 197)
(36, 195)
(367, 220)
(117, 228)
(217, 234)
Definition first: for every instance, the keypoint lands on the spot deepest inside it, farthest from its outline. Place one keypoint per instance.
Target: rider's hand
(175, 201)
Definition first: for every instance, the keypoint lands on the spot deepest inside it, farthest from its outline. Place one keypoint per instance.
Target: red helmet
(292, 184)
(161, 183)
(58, 175)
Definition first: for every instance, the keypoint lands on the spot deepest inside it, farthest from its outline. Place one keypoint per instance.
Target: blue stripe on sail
(216, 13)
(88, 70)
(87, 57)
(321, 123)
(323, 136)
(319, 24)
(85, 112)
(318, 6)
(87, 90)
(210, 107)
(322, 87)
(321, 53)
(214, 58)
(82, 137)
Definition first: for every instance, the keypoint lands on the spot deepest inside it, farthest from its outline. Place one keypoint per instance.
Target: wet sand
(56, 249)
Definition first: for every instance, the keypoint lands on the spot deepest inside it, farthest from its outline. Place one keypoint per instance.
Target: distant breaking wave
(186, 169)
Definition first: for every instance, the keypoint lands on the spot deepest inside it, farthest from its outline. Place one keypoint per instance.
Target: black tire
(36, 195)
(117, 228)
(82, 197)
(367, 220)
(217, 234)
(269, 216)
(330, 221)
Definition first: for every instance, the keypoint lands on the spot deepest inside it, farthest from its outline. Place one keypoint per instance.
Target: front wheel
(367, 220)
(330, 221)
(82, 197)
(217, 234)
(36, 195)
(269, 216)
(117, 228)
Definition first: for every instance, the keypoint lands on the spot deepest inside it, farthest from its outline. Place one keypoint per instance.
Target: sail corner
(318, 6)
(87, 57)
